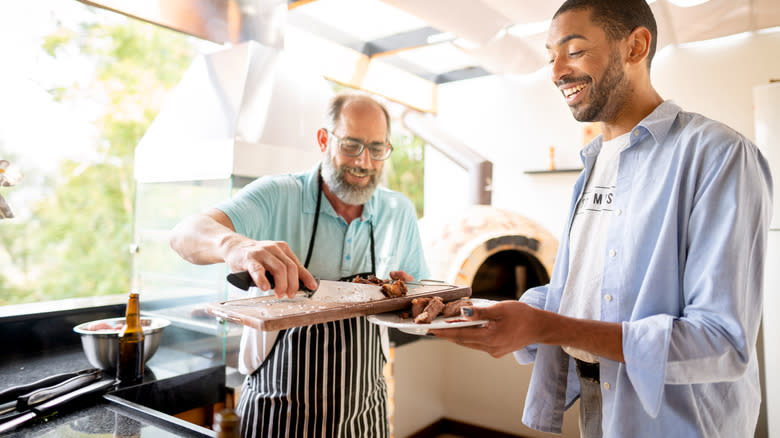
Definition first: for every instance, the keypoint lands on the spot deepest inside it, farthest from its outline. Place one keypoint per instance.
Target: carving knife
(327, 290)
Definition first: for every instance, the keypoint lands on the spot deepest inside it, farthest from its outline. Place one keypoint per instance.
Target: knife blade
(347, 292)
(327, 290)
(243, 280)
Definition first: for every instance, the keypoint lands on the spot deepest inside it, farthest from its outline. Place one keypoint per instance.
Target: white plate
(391, 319)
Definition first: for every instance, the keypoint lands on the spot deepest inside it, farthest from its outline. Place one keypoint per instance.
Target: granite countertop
(175, 380)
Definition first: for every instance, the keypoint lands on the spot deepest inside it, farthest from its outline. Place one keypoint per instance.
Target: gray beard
(338, 185)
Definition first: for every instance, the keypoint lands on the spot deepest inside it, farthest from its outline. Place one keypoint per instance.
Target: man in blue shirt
(322, 380)
(652, 312)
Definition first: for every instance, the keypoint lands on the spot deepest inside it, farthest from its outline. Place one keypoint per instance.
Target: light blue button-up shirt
(683, 273)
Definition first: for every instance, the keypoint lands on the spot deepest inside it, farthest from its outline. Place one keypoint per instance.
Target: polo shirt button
(349, 240)
(612, 253)
(347, 257)
(607, 385)
(608, 297)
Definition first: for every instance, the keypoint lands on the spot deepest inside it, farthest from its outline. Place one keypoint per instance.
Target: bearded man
(325, 379)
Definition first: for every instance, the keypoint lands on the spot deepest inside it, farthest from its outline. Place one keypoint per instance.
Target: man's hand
(210, 237)
(401, 275)
(257, 257)
(511, 326)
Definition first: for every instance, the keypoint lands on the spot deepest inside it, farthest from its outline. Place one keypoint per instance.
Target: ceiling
(404, 49)
(448, 40)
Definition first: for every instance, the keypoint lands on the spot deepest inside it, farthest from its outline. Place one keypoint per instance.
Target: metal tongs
(25, 402)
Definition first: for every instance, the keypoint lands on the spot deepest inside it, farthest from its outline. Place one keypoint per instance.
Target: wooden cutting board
(271, 313)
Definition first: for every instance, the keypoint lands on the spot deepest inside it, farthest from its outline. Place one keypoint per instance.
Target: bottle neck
(133, 314)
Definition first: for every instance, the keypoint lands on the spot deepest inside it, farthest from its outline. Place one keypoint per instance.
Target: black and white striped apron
(322, 380)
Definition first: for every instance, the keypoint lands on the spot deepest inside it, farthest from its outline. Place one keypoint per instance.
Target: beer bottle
(130, 364)
(227, 424)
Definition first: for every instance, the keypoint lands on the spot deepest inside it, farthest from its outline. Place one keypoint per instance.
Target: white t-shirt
(581, 294)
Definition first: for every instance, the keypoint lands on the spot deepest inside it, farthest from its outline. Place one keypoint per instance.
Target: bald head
(353, 103)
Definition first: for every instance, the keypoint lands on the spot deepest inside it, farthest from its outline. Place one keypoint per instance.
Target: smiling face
(587, 67)
(354, 179)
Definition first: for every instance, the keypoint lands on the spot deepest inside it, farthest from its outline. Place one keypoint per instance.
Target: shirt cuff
(646, 349)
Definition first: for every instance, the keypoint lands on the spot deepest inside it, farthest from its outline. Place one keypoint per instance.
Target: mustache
(566, 81)
(359, 171)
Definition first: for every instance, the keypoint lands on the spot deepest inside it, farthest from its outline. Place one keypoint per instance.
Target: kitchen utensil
(243, 280)
(36, 393)
(101, 346)
(13, 392)
(48, 407)
(327, 290)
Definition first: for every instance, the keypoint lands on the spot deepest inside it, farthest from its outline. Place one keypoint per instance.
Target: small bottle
(130, 363)
(227, 424)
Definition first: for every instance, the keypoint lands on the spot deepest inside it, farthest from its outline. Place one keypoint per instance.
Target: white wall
(512, 121)
(436, 379)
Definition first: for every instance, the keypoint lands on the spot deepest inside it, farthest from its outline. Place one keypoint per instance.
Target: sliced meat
(453, 307)
(431, 311)
(418, 305)
(395, 289)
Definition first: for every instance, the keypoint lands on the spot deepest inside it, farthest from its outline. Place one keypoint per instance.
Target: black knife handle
(243, 280)
(14, 392)
(42, 395)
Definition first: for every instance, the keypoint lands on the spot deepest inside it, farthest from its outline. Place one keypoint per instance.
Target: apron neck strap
(317, 220)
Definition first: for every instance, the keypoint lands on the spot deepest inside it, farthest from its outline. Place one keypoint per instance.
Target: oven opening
(507, 274)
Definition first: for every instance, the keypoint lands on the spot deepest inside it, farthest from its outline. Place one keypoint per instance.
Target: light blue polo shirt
(282, 208)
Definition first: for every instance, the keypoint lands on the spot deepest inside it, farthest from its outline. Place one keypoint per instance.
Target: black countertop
(176, 380)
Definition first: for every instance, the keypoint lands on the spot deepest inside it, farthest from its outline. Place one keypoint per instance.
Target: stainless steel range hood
(248, 110)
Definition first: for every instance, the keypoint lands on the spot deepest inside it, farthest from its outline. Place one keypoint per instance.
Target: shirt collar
(657, 123)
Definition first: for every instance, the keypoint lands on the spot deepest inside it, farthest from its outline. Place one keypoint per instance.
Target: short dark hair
(337, 104)
(618, 18)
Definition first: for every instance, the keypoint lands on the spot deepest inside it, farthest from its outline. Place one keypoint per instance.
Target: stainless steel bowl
(101, 346)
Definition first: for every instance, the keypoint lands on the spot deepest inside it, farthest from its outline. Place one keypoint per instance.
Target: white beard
(346, 192)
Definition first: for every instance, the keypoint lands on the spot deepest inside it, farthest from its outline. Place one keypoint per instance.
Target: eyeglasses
(352, 148)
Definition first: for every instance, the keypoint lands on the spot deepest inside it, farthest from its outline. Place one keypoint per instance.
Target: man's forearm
(201, 240)
(603, 339)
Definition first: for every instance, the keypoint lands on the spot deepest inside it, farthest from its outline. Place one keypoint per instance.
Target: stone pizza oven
(498, 253)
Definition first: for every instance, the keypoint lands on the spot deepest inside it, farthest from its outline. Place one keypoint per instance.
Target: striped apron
(323, 380)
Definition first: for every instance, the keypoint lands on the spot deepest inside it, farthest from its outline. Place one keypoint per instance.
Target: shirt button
(607, 385)
(347, 257)
(618, 212)
(612, 253)
(608, 297)
(349, 240)
(636, 133)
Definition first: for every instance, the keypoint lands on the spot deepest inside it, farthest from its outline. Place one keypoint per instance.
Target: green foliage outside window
(76, 242)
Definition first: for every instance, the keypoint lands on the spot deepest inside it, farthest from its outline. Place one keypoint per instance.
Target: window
(83, 86)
